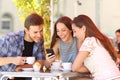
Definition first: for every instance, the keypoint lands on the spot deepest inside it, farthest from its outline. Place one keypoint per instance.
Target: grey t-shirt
(68, 51)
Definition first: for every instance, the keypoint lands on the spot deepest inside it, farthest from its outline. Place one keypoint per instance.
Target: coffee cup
(30, 60)
(56, 65)
(66, 65)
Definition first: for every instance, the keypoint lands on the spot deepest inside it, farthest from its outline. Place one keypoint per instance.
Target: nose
(60, 34)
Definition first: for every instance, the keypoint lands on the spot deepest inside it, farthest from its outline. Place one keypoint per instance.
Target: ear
(84, 28)
(26, 30)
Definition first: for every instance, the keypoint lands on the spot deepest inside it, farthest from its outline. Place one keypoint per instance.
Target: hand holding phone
(50, 51)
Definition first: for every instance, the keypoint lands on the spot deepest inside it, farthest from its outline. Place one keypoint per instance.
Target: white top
(99, 61)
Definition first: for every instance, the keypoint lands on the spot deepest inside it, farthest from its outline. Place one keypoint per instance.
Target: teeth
(62, 37)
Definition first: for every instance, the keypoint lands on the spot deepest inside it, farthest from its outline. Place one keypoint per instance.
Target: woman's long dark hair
(93, 31)
(65, 20)
(118, 44)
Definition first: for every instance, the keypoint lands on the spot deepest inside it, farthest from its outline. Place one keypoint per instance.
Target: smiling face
(63, 32)
(34, 33)
(78, 32)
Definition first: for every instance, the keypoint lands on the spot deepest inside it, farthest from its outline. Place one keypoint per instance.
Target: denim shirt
(12, 45)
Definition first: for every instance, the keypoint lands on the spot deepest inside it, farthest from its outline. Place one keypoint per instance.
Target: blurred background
(104, 13)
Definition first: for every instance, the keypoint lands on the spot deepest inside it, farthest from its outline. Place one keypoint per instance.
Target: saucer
(27, 69)
(65, 70)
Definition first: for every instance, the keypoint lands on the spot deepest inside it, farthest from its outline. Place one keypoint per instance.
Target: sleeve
(3, 47)
(88, 44)
(8, 46)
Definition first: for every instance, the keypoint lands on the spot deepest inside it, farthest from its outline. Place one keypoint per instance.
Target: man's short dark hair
(33, 19)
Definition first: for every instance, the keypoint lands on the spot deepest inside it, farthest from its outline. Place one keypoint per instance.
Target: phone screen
(50, 51)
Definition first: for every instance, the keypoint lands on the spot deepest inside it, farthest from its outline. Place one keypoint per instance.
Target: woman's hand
(51, 58)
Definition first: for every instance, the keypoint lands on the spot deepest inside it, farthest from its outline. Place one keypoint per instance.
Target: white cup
(56, 65)
(67, 66)
(30, 60)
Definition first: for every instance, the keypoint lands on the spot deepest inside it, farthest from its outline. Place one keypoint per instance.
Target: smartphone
(50, 51)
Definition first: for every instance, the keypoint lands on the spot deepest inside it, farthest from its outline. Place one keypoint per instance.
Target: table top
(43, 74)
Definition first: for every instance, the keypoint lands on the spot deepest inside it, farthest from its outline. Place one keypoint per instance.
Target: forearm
(6, 60)
(14, 60)
(81, 69)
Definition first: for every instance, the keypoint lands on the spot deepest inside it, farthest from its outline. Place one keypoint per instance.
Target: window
(6, 23)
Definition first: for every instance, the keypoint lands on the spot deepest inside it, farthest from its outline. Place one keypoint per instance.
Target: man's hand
(14, 60)
(18, 60)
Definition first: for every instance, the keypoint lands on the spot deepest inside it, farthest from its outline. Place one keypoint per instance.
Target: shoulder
(88, 44)
(13, 36)
(90, 40)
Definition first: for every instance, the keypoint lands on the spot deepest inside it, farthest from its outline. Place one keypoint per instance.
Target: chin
(37, 41)
(64, 40)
